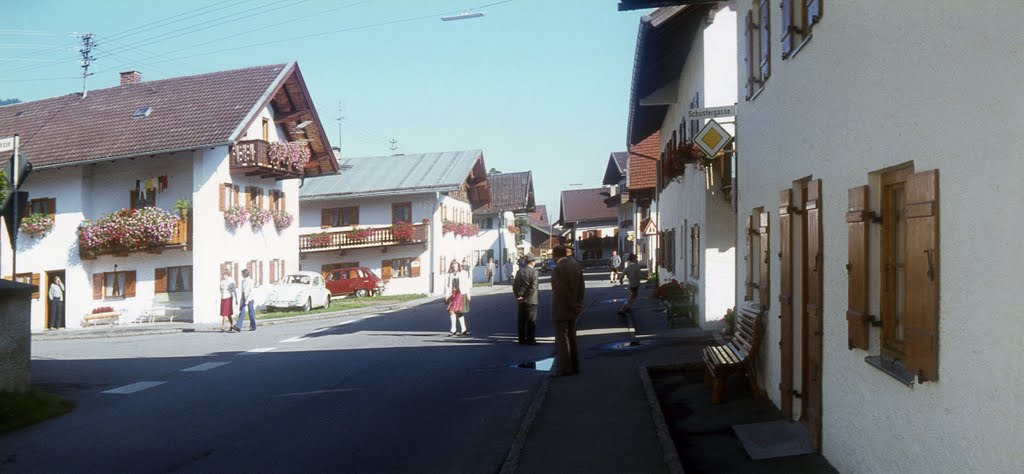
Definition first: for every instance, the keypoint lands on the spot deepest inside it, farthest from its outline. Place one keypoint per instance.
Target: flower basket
(322, 239)
(403, 231)
(127, 230)
(258, 216)
(282, 219)
(36, 225)
(359, 235)
(235, 217)
(102, 309)
(449, 227)
(289, 155)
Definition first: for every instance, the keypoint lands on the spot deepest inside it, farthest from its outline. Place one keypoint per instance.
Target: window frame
(395, 209)
(400, 266)
(892, 284)
(129, 284)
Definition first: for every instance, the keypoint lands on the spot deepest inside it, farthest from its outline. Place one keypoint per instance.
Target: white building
(879, 163)
(350, 219)
(501, 235)
(205, 140)
(684, 61)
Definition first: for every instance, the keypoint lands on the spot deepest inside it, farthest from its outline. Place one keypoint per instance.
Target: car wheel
(327, 304)
(362, 293)
(308, 306)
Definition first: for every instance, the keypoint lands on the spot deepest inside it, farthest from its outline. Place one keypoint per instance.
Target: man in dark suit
(566, 305)
(525, 289)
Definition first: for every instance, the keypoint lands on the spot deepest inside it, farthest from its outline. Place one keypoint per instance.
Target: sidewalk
(609, 418)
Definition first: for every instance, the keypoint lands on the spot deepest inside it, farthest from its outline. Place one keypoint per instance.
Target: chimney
(130, 77)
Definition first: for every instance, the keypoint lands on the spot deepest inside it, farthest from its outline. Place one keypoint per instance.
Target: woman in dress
(227, 307)
(457, 287)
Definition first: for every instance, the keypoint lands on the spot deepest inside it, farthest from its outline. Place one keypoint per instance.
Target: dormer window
(142, 112)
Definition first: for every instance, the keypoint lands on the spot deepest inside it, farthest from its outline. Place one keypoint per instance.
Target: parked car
(357, 281)
(304, 290)
(547, 265)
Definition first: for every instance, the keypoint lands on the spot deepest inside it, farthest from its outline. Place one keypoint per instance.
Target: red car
(358, 281)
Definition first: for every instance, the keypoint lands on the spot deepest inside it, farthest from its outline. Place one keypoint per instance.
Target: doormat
(774, 439)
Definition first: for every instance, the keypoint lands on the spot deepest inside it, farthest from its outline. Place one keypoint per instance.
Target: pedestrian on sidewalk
(632, 273)
(525, 289)
(567, 289)
(56, 296)
(489, 271)
(245, 301)
(227, 306)
(614, 264)
(457, 288)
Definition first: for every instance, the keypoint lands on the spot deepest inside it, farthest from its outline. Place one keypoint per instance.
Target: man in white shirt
(245, 301)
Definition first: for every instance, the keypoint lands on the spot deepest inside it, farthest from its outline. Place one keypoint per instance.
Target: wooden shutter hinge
(795, 210)
(874, 217)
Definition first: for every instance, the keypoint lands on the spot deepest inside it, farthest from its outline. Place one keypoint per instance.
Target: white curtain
(120, 283)
(108, 282)
(172, 279)
(186, 278)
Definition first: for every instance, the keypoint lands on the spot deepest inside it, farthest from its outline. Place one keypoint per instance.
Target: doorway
(62, 307)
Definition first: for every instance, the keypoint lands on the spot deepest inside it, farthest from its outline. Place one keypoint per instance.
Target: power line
(171, 20)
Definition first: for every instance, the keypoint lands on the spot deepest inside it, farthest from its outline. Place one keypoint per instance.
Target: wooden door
(786, 301)
(812, 271)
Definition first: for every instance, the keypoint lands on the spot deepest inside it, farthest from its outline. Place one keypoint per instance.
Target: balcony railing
(370, 237)
(252, 157)
(181, 238)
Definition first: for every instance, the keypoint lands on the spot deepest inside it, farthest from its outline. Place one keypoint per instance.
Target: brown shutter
(355, 217)
(813, 312)
(385, 270)
(813, 11)
(280, 200)
(248, 197)
(414, 267)
(786, 301)
(35, 283)
(325, 218)
(857, 319)
(273, 271)
(749, 281)
(766, 42)
(282, 271)
(922, 275)
(696, 257)
(160, 280)
(222, 191)
(261, 273)
(97, 286)
(787, 26)
(51, 207)
(133, 198)
(129, 284)
(763, 283)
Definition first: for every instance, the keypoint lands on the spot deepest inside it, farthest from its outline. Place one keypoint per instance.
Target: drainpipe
(500, 271)
(431, 241)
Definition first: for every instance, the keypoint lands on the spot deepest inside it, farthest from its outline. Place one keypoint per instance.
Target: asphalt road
(377, 393)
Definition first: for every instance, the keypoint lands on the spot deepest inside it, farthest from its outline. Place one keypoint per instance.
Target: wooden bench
(112, 317)
(737, 355)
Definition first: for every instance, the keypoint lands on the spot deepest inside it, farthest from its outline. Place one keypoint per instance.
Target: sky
(538, 85)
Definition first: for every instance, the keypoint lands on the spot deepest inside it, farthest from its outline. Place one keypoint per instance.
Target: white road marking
(204, 367)
(316, 392)
(258, 350)
(304, 338)
(293, 339)
(135, 387)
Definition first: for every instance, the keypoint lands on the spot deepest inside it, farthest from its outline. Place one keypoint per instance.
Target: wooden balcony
(181, 239)
(252, 157)
(375, 237)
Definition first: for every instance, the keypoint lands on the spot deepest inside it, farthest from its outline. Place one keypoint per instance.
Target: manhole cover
(541, 364)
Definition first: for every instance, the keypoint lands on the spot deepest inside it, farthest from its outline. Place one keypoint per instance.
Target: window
(695, 251)
(139, 198)
(277, 271)
(28, 279)
(276, 200)
(401, 267)
(339, 216)
(893, 254)
(758, 44)
(798, 17)
(45, 206)
(266, 129)
(172, 279)
(228, 196)
(757, 257)
(402, 212)
(253, 197)
(110, 285)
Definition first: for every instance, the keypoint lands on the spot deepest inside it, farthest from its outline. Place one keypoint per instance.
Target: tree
(493, 171)
(4, 102)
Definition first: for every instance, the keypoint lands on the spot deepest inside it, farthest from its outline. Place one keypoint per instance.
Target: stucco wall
(15, 341)
(879, 84)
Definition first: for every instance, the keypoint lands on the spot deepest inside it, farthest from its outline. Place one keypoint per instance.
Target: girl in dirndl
(457, 287)
(227, 306)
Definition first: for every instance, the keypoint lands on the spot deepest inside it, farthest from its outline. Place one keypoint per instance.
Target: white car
(304, 290)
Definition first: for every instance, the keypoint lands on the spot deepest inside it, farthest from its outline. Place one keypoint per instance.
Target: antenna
(339, 119)
(394, 146)
(87, 59)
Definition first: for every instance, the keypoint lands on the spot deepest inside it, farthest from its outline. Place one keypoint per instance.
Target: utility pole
(340, 118)
(86, 50)
(394, 146)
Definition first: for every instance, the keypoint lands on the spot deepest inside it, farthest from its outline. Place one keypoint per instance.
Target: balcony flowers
(403, 231)
(448, 227)
(127, 229)
(322, 239)
(358, 234)
(235, 217)
(291, 155)
(282, 219)
(258, 216)
(36, 225)
(460, 229)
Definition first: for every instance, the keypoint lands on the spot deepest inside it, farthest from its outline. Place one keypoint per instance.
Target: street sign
(712, 138)
(712, 112)
(13, 215)
(7, 143)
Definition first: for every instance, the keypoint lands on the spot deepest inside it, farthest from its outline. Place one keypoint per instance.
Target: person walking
(632, 273)
(227, 295)
(457, 289)
(567, 290)
(614, 264)
(525, 289)
(489, 271)
(245, 301)
(56, 296)
(509, 270)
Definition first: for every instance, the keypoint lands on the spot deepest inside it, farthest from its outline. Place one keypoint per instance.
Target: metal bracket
(875, 217)
(796, 210)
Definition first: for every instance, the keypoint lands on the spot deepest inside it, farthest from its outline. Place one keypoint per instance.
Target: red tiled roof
(580, 205)
(509, 192)
(540, 213)
(643, 163)
(186, 113)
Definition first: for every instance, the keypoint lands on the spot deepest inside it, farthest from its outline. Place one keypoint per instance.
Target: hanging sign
(712, 112)
(712, 138)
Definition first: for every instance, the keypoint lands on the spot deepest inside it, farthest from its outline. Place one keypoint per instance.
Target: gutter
(136, 155)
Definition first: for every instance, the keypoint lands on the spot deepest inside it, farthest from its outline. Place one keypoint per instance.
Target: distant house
(542, 237)
(149, 185)
(590, 225)
(615, 180)
(405, 217)
(641, 188)
(501, 236)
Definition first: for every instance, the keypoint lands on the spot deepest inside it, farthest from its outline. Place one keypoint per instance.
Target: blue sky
(539, 85)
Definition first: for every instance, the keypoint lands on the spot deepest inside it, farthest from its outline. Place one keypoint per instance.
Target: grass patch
(18, 410)
(344, 304)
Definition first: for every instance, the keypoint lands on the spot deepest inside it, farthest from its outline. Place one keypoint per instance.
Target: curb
(669, 453)
(511, 463)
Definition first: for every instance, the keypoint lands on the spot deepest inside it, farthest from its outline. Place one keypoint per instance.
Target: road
(374, 393)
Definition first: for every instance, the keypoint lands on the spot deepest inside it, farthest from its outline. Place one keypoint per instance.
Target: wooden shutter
(97, 286)
(749, 279)
(261, 273)
(813, 11)
(222, 198)
(35, 283)
(786, 301)
(751, 64)
(355, 215)
(325, 218)
(414, 267)
(160, 280)
(813, 313)
(280, 200)
(698, 253)
(921, 312)
(273, 271)
(282, 271)
(133, 198)
(787, 26)
(385, 270)
(766, 43)
(129, 284)
(51, 207)
(763, 282)
(857, 319)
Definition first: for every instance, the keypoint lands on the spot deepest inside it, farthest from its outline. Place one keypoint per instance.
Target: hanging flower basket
(403, 231)
(290, 155)
(323, 239)
(127, 230)
(258, 216)
(359, 235)
(282, 219)
(235, 217)
(448, 227)
(36, 225)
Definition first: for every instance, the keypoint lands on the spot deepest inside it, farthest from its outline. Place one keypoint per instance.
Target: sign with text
(6, 144)
(712, 112)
